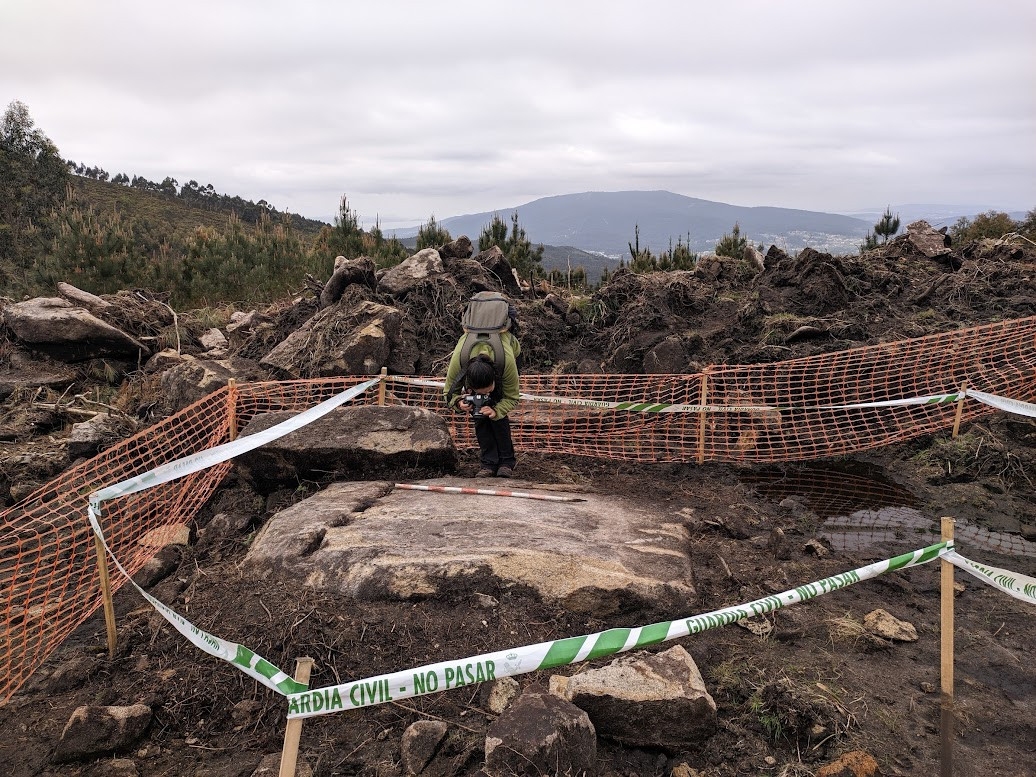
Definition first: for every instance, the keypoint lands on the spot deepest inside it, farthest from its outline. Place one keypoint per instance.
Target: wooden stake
(946, 717)
(293, 731)
(106, 594)
(381, 386)
(703, 399)
(232, 406)
(960, 409)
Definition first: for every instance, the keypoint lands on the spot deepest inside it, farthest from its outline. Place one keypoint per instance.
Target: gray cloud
(411, 109)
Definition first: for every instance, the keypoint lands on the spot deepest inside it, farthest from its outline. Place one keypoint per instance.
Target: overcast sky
(414, 108)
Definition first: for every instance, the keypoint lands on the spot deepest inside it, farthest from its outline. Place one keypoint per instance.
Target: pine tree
(732, 245)
(493, 234)
(346, 238)
(515, 245)
(887, 226)
(432, 234)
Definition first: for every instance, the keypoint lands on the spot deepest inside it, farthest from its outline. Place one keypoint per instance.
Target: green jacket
(509, 389)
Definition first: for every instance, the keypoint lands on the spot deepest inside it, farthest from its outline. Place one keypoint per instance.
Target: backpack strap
(470, 340)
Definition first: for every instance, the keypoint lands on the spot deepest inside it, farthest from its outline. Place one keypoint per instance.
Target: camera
(477, 402)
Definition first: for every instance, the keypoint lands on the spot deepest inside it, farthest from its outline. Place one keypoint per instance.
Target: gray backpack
(488, 315)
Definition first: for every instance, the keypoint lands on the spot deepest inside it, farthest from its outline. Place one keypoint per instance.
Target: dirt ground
(813, 685)
(793, 694)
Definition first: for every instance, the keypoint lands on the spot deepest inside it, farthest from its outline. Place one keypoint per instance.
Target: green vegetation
(347, 239)
(432, 234)
(678, 257)
(64, 221)
(33, 181)
(992, 224)
(734, 244)
(515, 246)
(886, 227)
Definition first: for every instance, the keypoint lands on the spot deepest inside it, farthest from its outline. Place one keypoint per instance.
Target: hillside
(169, 214)
(605, 222)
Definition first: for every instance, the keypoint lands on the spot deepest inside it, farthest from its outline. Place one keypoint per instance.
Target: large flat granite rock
(370, 541)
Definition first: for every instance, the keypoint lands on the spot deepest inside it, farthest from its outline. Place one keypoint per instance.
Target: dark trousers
(494, 438)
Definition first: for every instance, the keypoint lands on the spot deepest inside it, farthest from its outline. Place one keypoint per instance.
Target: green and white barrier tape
(1015, 406)
(252, 664)
(446, 675)
(662, 407)
(1011, 583)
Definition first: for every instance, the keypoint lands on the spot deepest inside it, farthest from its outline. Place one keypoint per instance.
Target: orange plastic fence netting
(48, 570)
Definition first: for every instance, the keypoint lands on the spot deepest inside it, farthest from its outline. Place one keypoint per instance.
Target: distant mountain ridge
(605, 222)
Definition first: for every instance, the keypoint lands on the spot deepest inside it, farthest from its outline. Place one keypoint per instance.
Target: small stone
(883, 624)
(778, 545)
(419, 745)
(486, 601)
(117, 767)
(499, 694)
(174, 534)
(858, 763)
(95, 730)
(246, 712)
(770, 760)
(656, 700)
(213, 339)
(928, 687)
(759, 626)
(816, 548)
(72, 673)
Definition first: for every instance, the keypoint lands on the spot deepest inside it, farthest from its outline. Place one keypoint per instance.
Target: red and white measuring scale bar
(490, 492)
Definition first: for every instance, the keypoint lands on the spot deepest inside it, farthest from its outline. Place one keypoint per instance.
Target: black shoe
(505, 472)
(485, 472)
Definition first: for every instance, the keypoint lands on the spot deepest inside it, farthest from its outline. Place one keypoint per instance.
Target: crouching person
(491, 392)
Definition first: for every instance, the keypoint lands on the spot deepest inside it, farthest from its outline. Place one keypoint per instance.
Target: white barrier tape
(446, 675)
(252, 664)
(1012, 583)
(198, 461)
(1015, 406)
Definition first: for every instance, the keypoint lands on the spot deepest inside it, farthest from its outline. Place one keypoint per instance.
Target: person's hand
(488, 412)
(465, 406)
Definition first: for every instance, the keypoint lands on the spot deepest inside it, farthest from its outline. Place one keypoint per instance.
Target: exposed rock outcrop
(59, 329)
(420, 268)
(540, 734)
(196, 378)
(641, 700)
(348, 271)
(340, 340)
(365, 539)
(352, 442)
